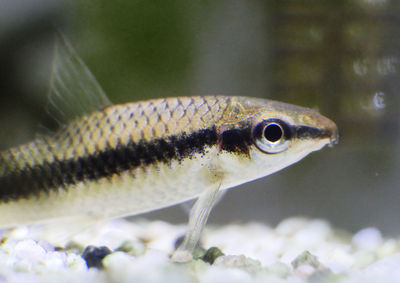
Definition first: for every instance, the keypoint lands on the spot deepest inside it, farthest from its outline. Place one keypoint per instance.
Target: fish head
(259, 137)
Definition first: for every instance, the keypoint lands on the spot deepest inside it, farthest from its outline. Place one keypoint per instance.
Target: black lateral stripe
(237, 140)
(52, 176)
(305, 132)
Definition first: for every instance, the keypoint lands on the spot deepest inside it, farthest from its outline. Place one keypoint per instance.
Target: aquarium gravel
(296, 250)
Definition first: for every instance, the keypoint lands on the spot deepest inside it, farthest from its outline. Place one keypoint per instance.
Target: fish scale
(141, 127)
(76, 141)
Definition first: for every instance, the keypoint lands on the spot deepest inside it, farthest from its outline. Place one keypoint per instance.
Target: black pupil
(273, 132)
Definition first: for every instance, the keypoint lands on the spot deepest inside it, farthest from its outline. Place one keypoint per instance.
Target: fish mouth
(332, 129)
(330, 132)
(334, 137)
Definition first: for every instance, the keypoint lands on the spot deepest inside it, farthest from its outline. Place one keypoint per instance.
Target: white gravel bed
(297, 250)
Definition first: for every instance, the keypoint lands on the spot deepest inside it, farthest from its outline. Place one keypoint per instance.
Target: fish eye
(273, 132)
(272, 136)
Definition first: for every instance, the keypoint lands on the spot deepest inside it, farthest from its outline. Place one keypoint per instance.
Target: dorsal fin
(74, 91)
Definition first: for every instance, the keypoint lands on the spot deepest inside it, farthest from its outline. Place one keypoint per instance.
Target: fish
(108, 161)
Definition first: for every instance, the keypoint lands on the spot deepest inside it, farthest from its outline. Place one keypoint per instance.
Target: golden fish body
(137, 157)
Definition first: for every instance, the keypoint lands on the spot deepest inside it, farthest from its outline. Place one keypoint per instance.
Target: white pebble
(388, 248)
(240, 262)
(367, 239)
(22, 266)
(76, 262)
(46, 246)
(363, 258)
(55, 260)
(290, 226)
(339, 260)
(217, 274)
(314, 233)
(279, 269)
(116, 260)
(305, 270)
(18, 233)
(388, 265)
(29, 250)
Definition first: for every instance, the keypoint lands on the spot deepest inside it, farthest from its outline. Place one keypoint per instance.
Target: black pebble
(211, 255)
(94, 256)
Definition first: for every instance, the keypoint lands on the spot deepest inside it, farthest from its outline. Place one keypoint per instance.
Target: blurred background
(340, 56)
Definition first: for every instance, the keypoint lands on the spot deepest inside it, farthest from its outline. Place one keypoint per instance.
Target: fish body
(137, 157)
(109, 161)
